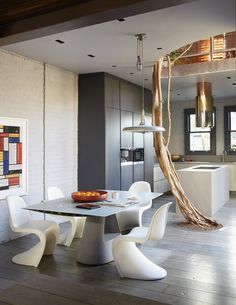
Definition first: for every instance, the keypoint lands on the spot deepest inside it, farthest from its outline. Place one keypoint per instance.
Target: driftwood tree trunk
(192, 215)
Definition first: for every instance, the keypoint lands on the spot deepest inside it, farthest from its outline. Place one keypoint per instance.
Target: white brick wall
(21, 95)
(61, 126)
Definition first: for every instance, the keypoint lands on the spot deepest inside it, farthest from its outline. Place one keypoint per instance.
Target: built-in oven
(126, 155)
(138, 154)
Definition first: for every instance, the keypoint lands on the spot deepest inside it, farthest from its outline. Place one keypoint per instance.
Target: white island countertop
(207, 167)
(207, 186)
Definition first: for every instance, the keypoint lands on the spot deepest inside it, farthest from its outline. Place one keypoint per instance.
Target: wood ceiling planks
(15, 10)
(22, 20)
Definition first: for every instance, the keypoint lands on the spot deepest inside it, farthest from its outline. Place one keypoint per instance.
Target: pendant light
(204, 105)
(142, 127)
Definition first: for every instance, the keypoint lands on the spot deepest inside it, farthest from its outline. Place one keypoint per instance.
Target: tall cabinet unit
(107, 104)
(131, 107)
(98, 132)
(126, 141)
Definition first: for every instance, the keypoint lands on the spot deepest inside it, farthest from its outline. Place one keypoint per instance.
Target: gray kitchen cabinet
(98, 132)
(126, 138)
(130, 96)
(127, 177)
(91, 132)
(137, 137)
(112, 148)
(138, 171)
(107, 104)
(112, 91)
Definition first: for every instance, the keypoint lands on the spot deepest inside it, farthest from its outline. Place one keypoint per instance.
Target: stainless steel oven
(138, 154)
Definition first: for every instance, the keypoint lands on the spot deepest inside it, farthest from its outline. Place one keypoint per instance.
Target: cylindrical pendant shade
(204, 105)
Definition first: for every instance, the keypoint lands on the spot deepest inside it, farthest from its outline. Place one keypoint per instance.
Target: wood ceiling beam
(24, 20)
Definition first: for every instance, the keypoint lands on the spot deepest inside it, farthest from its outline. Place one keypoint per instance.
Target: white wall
(22, 91)
(61, 104)
(177, 134)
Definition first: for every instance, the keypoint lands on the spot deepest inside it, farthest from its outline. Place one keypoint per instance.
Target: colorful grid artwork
(13, 175)
(10, 157)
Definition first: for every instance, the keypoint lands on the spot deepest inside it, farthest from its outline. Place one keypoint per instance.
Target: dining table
(95, 245)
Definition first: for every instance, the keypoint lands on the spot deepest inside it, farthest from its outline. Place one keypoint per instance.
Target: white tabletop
(66, 206)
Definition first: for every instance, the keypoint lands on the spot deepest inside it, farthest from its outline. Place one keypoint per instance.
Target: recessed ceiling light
(91, 55)
(121, 19)
(60, 41)
(178, 93)
(131, 72)
(159, 48)
(145, 78)
(114, 66)
(228, 77)
(234, 84)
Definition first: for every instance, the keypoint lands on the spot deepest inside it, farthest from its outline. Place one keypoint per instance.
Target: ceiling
(114, 44)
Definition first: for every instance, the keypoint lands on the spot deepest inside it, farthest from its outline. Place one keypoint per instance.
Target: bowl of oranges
(89, 196)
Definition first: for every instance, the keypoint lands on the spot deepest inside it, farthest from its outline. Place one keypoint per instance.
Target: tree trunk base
(194, 227)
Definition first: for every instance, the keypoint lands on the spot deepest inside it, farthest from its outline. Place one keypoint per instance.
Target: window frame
(212, 151)
(227, 130)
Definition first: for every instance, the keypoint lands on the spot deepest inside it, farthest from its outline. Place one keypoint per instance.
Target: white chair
(77, 223)
(131, 218)
(130, 262)
(21, 222)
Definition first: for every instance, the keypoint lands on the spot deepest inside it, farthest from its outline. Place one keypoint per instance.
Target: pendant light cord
(142, 127)
(140, 66)
(143, 110)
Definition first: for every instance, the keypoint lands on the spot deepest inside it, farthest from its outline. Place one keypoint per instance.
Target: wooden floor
(201, 269)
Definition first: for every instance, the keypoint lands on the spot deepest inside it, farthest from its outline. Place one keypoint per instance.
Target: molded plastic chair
(130, 262)
(131, 218)
(21, 222)
(77, 223)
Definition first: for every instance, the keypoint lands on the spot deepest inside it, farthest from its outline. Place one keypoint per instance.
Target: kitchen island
(207, 186)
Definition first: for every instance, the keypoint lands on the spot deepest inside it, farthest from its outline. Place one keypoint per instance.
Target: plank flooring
(201, 269)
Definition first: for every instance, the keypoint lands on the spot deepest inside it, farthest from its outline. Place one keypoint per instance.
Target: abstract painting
(13, 156)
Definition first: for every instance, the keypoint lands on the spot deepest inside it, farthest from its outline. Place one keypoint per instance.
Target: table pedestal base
(95, 247)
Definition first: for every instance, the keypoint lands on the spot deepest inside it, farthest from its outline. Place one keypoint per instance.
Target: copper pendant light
(204, 105)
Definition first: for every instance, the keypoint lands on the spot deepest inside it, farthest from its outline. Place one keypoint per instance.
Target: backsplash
(212, 158)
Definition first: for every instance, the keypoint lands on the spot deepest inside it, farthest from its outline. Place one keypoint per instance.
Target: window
(198, 141)
(230, 129)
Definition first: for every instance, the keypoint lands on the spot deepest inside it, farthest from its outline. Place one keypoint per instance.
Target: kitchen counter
(185, 162)
(207, 186)
(203, 162)
(193, 163)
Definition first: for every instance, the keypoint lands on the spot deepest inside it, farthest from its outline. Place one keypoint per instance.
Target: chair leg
(80, 227)
(32, 256)
(52, 234)
(131, 263)
(66, 238)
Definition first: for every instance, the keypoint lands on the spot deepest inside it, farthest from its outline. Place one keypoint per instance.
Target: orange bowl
(89, 195)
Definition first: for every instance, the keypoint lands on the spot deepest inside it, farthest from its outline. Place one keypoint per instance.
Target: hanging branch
(192, 215)
(185, 51)
(168, 101)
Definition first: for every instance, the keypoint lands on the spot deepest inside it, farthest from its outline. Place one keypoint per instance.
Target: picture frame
(13, 156)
